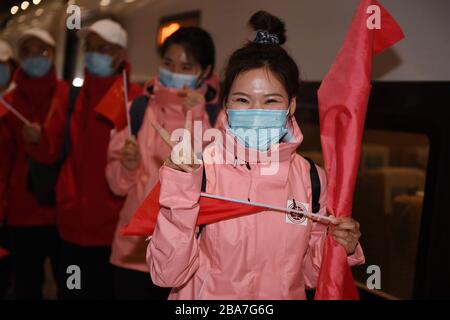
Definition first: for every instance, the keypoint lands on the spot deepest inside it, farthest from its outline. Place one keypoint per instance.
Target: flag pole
(125, 93)
(275, 208)
(14, 111)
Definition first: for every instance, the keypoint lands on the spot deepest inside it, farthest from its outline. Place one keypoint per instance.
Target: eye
(270, 101)
(187, 67)
(242, 100)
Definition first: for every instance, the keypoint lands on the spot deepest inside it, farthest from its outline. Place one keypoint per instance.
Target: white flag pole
(125, 93)
(14, 111)
(275, 208)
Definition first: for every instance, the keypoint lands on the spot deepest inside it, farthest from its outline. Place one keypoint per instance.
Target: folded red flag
(3, 253)
(112, 105)
(343, 97)
(211, 210)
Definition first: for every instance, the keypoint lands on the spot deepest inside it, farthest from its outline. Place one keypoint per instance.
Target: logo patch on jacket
(297, 218)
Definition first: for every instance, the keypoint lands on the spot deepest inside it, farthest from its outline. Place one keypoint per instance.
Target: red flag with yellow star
(112, 105)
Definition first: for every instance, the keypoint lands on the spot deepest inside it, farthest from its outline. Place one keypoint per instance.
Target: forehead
(177, 52)
(94, 39)
(261, 79)
(33, 42)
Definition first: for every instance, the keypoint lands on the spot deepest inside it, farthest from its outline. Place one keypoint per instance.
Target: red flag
(211, 210)
(343, 97)
(111, 106)
(3, 253)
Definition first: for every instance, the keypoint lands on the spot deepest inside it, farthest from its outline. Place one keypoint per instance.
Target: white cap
(41, 34)
(108, 30)
(6, 52)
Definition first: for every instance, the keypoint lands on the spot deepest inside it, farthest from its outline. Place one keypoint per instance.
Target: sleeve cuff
(357, 258)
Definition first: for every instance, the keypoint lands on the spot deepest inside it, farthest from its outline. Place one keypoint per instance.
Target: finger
(347, 226)
(179, 166)
(184, 91)
(341, 241)
(188, 122)
(341, 234)
(163, 134)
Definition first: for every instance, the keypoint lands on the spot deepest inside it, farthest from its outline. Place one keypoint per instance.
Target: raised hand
(191, 97)
(185, 162)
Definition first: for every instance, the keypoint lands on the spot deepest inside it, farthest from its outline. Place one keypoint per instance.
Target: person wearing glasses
(30, 216)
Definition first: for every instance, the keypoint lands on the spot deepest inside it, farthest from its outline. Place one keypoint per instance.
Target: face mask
(177, 80)
(99, 65)
(258, 128)
(5, 75)
(36, 67)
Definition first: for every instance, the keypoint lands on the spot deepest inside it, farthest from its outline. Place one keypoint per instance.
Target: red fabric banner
(343, 97)
(211, 210)
(112, 105)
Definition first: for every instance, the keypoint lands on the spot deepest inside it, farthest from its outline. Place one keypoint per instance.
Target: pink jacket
(165, 108)
(260, 256)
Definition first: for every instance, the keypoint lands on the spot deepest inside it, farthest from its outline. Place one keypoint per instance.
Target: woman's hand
(130, 156)
(346, 232)
(191, 97)
(32, 133)
(185, 162)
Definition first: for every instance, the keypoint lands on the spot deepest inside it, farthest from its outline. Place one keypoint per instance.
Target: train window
(388, 203)
(170, 24)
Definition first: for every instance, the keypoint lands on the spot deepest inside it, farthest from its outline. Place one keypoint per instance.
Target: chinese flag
(343, 97)
(112, 105)
(211, 210)
(3, 253)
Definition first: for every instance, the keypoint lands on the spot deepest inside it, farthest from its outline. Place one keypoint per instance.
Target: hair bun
(264, 21)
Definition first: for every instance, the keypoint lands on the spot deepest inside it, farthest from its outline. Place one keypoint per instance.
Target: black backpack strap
(137, 113)
(203, 190)
(73, 96)
(315, 186)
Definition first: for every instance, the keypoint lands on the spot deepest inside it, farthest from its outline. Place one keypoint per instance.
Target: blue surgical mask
(99, 65)
(36, 67)
(258, 128)
(5, 75)
(177, 80)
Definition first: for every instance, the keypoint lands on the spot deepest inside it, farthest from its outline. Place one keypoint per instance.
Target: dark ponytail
(264, 52)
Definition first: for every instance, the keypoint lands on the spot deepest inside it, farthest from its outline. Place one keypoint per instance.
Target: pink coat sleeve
(172, 254)
(119, 178)
(313, 258)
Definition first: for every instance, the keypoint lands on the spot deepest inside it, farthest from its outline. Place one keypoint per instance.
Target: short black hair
(258, 55)
(198, 44)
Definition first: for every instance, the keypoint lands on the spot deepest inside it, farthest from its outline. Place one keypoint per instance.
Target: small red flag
(211, 210)
(343, 97)
(111, 106)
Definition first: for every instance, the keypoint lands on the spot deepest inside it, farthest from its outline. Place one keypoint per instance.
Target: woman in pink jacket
(268, 255)
(187, 62)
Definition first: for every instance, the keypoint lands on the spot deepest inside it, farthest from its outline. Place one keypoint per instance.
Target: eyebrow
(266, 95)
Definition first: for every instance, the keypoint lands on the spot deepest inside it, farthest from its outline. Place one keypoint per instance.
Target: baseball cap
(108, 30)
